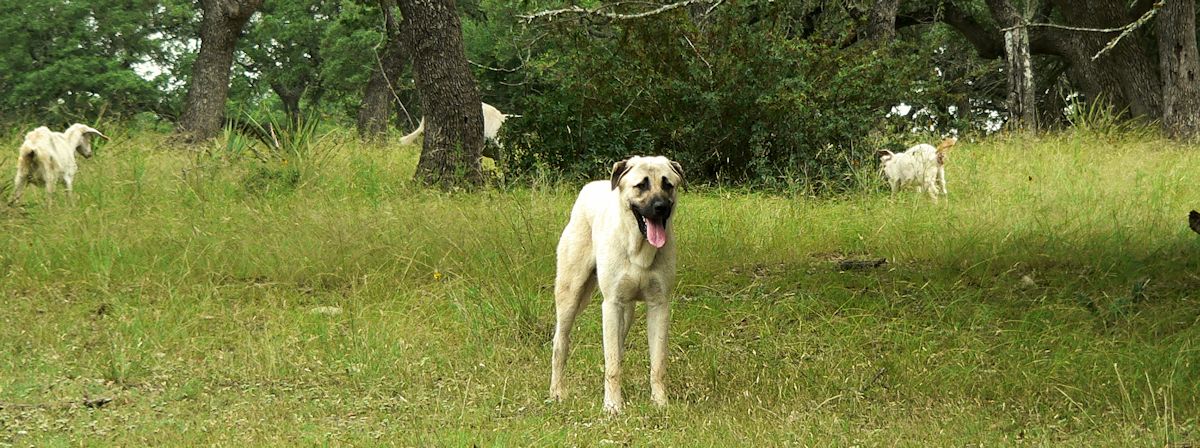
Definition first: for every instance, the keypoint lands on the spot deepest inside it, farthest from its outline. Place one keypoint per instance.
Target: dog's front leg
(626, 324)
(658, 319)
(613, 311)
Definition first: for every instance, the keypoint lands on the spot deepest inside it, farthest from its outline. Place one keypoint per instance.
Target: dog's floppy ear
(678, 169)
(883, 153)
(1194, 220)
(619, 169)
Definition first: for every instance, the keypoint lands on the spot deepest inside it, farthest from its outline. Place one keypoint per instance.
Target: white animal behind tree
(492, 120)
(47, 157)
(922, 165)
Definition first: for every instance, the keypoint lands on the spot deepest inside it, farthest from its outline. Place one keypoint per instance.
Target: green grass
(187, 286)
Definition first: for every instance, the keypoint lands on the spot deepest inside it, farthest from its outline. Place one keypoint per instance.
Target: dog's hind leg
(572, 291)
(942, 179)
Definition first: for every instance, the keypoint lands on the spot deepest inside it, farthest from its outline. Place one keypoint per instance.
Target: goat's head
(82, 135)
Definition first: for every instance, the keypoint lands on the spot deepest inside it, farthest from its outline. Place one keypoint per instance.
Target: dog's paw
(660, 400)
(556, 396)
(612, 409)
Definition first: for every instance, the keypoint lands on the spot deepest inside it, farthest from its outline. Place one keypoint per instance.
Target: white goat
(492, 120)
(922, 165)
(47, 157)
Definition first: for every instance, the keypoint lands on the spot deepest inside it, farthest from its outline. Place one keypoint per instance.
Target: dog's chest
(643, 257)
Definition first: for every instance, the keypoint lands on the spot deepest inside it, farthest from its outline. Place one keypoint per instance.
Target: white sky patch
(148, 70)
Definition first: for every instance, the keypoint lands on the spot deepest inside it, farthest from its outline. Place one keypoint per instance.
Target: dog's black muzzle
(658, 211)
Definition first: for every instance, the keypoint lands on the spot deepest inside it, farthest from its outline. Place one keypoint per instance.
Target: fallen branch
(850, 265)
(599, 11)
(94, 403)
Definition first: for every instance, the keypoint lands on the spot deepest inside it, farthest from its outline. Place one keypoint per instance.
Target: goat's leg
(50, 193)
(69, 183)
(18, 186)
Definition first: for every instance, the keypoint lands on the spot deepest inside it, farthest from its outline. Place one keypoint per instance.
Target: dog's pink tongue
(656, 233)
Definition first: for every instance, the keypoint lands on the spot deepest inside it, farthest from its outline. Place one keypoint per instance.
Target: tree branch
(1124, 30)
(600, 11)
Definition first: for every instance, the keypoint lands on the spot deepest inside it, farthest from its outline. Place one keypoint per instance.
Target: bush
(741, 98)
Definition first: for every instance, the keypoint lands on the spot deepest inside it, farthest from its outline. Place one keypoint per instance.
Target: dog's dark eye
(667, 184)
(644, 184)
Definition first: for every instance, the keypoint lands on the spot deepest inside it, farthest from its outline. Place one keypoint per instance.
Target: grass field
(1051, 301)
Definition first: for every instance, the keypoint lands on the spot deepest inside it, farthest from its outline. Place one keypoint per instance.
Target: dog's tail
(943, 148)
(408, 139)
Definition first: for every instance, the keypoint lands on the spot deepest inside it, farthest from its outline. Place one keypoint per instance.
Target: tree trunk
(1022, 104)
(1178, 59)
(1124, 77)
(290, 98)
(881, 23)
(376, 107)
(204, 107)
(449, 97)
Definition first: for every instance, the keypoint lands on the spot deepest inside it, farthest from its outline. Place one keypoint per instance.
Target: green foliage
(66, 61)
(283, 49)
(742, 97)
(351, 49)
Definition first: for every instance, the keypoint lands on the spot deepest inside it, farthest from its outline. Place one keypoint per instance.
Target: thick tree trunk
(376, 107)
(881, 22)
(1177, 55)
(449, 97)
(204, 107)
(1124, 77)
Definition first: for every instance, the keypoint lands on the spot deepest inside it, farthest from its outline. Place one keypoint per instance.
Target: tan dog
(619, 238)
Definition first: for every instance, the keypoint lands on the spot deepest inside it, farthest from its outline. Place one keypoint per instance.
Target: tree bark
(1177, 55)
(1022, 103)
(376, 107)
(204, 107)
(881, 22)
(1124, 77)
(290, 98)
(449, 96)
